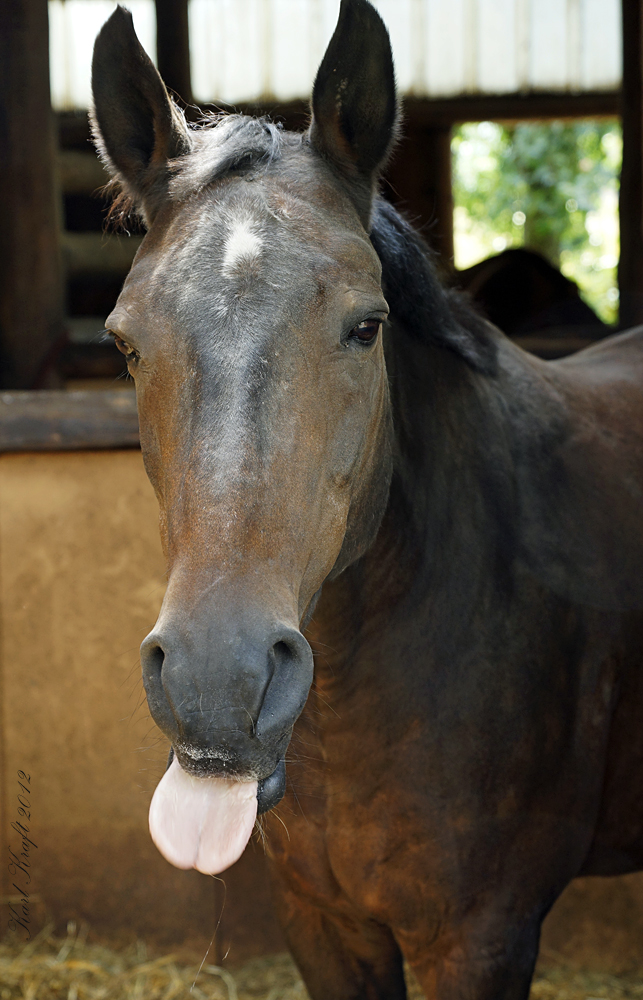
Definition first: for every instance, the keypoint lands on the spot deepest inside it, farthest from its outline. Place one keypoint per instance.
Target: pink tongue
(202, 823)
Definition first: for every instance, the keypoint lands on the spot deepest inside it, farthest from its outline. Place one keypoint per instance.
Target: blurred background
(513, 140)
(522, 164)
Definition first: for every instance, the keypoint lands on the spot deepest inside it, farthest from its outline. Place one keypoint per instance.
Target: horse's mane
(417, 299)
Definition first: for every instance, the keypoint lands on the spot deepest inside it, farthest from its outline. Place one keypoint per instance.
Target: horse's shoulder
(581, 491)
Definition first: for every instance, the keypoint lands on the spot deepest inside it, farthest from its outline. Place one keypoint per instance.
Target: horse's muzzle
(227, 700)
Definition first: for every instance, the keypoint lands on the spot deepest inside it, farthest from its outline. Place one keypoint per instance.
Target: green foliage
(549, 186)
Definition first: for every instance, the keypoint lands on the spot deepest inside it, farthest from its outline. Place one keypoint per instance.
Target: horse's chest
(359, 830)
(400, 815)
(380, 854)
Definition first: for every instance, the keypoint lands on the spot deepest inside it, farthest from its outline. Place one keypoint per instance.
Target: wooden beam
(512, 107)
(173, 46)
(68, 421)
(91, 361)
(31, 293)
(81, 172)
(441, 112)
(630, 268)
(98, 253)
(424, 112)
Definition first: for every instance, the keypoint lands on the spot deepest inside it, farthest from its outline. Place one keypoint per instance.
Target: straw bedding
(50, 968)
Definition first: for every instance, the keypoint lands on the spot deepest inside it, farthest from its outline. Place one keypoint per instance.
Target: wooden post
(173, 46)
(420, 182)
(630, 268)
(31, 292)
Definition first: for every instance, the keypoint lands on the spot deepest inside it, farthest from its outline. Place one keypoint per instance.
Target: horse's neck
(452, 502)
(444, 551)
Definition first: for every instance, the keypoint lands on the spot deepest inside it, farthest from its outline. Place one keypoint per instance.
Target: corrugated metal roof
(244, 50)
(73, 26)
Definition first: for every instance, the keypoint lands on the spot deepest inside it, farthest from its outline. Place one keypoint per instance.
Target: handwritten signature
(20, 859)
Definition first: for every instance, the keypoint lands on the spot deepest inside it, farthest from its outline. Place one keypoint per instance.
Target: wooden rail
(56, 420)
(53, 420)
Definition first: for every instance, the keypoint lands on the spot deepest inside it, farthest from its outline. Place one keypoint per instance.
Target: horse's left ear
(354, 103)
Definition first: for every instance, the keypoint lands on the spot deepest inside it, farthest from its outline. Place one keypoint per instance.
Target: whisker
(278, 817)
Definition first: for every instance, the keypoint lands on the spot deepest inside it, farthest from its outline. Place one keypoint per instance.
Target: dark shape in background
(522, 293)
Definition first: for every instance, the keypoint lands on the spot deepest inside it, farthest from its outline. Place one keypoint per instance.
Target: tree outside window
(548, 186)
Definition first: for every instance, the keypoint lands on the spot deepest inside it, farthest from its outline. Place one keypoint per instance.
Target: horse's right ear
(354, 104)
(136, 126)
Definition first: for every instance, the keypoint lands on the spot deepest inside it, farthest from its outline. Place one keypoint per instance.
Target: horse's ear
(354, 103)
(136, 126)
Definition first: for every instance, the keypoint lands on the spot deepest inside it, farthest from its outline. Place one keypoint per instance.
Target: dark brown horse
(337, 443)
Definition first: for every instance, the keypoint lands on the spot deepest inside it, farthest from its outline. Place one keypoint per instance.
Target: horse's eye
(367, 331)
(124, 348)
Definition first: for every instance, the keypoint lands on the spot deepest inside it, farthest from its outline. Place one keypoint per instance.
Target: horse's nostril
(154, 657)
(152, 660)
(291, 677)
(282, 653)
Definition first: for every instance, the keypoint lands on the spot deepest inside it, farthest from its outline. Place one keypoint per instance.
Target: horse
(403, 614)
(522, 293)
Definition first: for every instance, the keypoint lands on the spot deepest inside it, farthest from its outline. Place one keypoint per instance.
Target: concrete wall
(81, 581)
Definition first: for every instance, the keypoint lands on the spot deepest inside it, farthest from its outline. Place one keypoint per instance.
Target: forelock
(224, 143)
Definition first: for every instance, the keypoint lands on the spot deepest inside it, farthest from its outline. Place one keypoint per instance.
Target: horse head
(251, 322)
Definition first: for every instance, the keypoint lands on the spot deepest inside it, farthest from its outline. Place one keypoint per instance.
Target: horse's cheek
(362, 415)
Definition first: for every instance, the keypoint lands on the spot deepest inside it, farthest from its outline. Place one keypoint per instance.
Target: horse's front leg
(340, 957)
(489, 958)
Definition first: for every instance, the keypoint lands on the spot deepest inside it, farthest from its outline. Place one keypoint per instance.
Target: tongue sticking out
(202, 823)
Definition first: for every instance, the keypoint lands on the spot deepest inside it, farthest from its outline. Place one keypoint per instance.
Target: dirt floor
(50, 968)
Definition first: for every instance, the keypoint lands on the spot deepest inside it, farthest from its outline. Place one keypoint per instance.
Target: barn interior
(81, 568)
